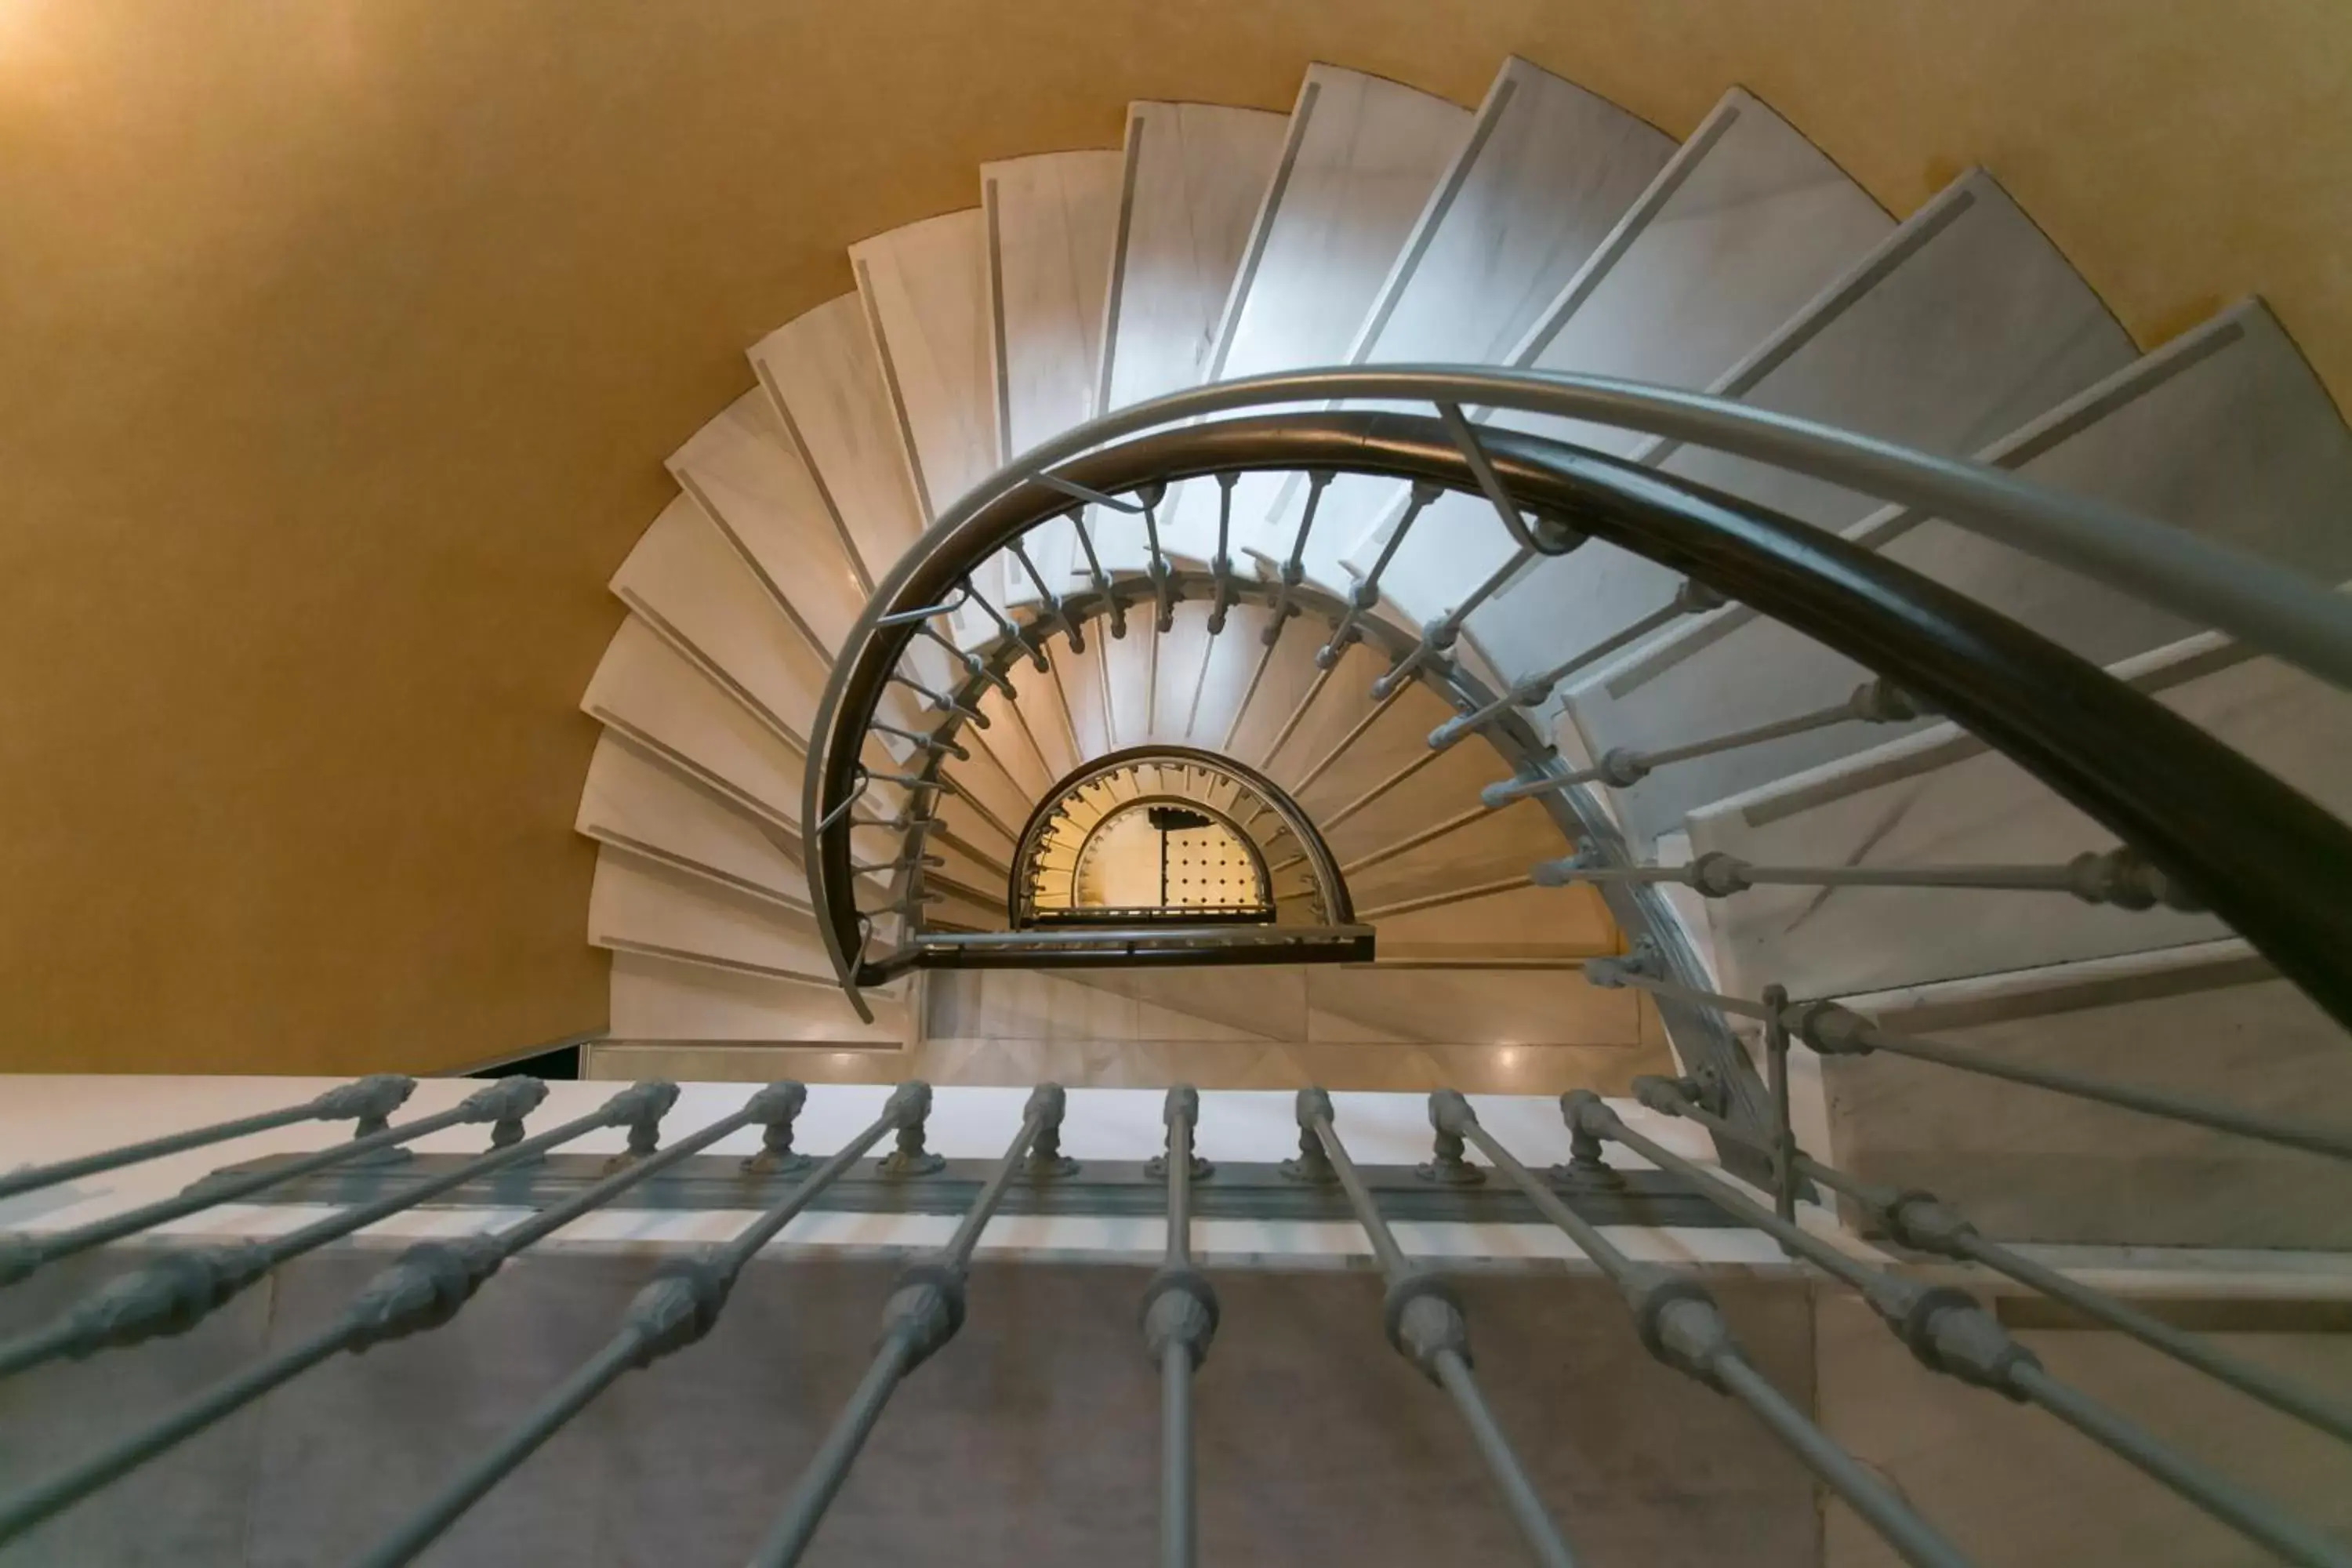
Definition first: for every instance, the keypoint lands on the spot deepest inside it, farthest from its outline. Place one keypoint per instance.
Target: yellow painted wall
(340, 341)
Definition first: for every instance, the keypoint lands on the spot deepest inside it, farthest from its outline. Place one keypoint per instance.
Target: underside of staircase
(1546, 230)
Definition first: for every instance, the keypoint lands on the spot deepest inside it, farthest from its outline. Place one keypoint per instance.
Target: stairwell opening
(1171, 835)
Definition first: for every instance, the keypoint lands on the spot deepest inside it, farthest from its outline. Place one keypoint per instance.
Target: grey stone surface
(189, 1507)
(1032, 1440)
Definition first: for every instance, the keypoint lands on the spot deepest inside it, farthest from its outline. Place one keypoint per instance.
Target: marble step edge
(2078, 985)
(1942, 745)
(1611, 252)
(2078, 414)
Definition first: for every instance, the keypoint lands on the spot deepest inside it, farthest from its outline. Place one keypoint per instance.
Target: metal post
(1873, 702)
(1691, 599)
(179, 1290)
(1924, 1223)
(1294, 570)
(371, 1101)
(1680, 1324)
(676, 1309)
(923, 1314)
(1435, 650)
(1833, 1030)
(1221, 564)
(1784, 1135)
(1949, 1332)
(424, 1290)
(1426, 1327)
(1180, 1320)
(368, 1100)
(2121, 878)
(1367, 593)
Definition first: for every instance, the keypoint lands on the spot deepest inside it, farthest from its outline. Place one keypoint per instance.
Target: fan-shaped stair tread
(741, 469)
(2048, 1168)
(1745, 225)
(825, 376)
(687, 581)
(2222, 433)
(637, 803)
(659, 999)
(1905, 803)
(645, 908)
(1195, 175)
(1544, 174)
(654, 695)
(1362, 156)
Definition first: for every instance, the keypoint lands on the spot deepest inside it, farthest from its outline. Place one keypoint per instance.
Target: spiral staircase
(1396, 662)
(1388, 597)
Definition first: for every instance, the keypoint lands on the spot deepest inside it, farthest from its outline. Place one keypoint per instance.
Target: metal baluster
(1435, 651)
(1949, 1332)
(1924, 1223)
(945, 704)
(975, 667)
(903, 863)
(22, 1253)
(368, 1100)
(1096, 575)
(1680, 1325)
(674, 1310)
(1833, 1030)
(1367, 592)
(1294, 570)
(2122, 878)
(1180, 1320)
(949, 607)
(424, 1290)
(924, 1312)
(1053, 603)
(1221, 564)
(1693, 598)
(1007, 628)
(933, 743)
(1875, 702)
(175, 1293)
(1425, 1325)
(1561, 539)
(1163, 592)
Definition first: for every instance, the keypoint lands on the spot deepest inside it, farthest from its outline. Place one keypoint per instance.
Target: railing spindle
(1873, 702)
(1180, 1320)
(1681, 1325)
(1949, 1332)
(676, 1309)
(924, 1312)
(1426, 1326)
(369, 1100)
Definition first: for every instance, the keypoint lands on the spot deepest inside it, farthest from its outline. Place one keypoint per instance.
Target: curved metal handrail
(2268, 608)
(2265, 859)
(1331, 888)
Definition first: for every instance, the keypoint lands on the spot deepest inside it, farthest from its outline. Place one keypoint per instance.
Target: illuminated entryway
(1163, 834)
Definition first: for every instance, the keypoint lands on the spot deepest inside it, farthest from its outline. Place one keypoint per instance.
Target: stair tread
(632, 800)
(651, 692)
(741, 470)
(1361, 158)
(2223, 433)
(1198, 172)
(662, 999)
(644, 908)
(1547, 172)
(1979, 808)
(1052, 223)
(824, 375)
(1746, 224)
(687, 581)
